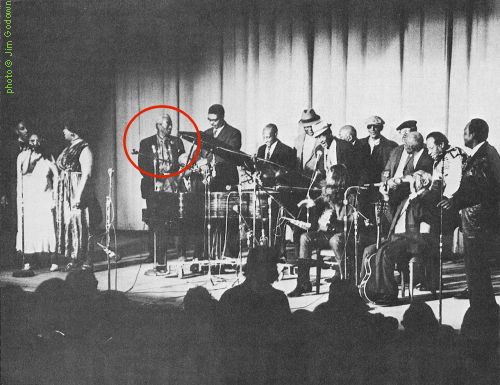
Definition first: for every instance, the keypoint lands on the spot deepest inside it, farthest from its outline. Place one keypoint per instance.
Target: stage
(170, 289)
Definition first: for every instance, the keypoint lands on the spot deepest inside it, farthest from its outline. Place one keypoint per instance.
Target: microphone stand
(108, 225)
(441, 245)
(356, 214)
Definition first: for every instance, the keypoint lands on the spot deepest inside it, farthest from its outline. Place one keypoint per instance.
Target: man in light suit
(405, 160)
(306, 143)
(332, 151)
(226, 173)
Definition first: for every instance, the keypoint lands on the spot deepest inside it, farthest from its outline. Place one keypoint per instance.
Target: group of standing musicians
(420, 181)
(423, 182)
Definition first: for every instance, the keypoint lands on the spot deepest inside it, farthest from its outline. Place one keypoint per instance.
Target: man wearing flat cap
(306, 143)
(375, 150)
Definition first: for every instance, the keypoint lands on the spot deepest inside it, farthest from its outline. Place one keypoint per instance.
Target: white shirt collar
(272, 147)
(476, 148)
(218, 130)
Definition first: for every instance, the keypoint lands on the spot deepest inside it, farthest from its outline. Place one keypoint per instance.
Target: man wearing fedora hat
(331, 151)
(306, 143)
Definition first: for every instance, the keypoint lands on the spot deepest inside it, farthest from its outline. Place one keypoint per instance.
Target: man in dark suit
(477, 199)
(405, 160)
(348, 133)
(226, 173)
(332, 151)
(375, 151)
(159, 155)
(277, 152)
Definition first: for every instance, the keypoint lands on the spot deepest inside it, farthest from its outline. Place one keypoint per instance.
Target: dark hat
(309, 117)
(411, 124)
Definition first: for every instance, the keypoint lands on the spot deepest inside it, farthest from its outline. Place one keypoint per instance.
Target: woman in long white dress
(37, 176)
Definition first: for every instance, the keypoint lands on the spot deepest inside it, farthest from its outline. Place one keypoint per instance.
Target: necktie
(268, 152)
(409, 168)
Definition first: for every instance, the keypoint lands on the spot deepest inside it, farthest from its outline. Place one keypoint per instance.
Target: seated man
(409, 235)
(329, 230)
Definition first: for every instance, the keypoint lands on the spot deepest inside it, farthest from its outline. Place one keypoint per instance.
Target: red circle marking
(148, 173)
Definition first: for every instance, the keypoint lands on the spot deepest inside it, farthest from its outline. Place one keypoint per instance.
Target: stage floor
(160, 289)
(171, 290)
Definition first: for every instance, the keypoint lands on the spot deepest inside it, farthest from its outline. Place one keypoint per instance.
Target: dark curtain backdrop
(265, 61)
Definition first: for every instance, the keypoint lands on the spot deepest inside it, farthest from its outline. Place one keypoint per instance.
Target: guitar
(369, 288)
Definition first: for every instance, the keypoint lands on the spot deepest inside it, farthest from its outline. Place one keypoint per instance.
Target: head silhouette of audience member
(82, 283)
(199, 303)
(261, 265)
(54, 305)
(344, 295)
(420, 319)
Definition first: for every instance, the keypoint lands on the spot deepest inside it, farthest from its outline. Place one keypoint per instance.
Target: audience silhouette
(67, 332)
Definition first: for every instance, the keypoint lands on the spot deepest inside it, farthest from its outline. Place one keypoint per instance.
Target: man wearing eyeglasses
(226, 173)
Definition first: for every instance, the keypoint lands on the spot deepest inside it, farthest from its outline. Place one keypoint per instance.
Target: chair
(320, 263)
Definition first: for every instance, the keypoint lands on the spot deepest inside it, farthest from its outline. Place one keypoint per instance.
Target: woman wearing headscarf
(37, 177)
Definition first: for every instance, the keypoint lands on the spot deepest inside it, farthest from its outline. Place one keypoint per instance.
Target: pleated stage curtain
(433, 61)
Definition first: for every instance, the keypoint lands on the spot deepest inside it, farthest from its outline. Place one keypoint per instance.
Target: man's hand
(445, 204)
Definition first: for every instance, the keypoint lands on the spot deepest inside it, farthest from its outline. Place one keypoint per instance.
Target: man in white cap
(375, 149)
(331, 151)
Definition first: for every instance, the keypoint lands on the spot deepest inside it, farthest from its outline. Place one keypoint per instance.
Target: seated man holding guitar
(409, 235)
(329, 231)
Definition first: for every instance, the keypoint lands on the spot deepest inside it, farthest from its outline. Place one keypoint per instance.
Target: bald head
(270, 134)
(348, 133)
(414, 142)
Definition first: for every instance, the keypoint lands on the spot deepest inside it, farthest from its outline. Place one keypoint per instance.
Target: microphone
(236, 209)
(319, 154)
(110, 172)
(111, 254)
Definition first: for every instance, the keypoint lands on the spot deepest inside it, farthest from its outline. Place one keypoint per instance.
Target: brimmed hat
(375, 121)
(320, 127)
(309, 117)
(411, 124)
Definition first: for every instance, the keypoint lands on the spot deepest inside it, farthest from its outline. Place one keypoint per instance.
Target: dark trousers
(318, 240)
(477, 271)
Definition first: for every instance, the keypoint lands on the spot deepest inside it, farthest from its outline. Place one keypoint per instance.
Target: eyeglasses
(213, 120)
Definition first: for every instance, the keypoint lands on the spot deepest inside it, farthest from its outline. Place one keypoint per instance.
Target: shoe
(87, 266)
(464, 294)
(71, 266)
(54, 267)
(27, 266)
(301, 289)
